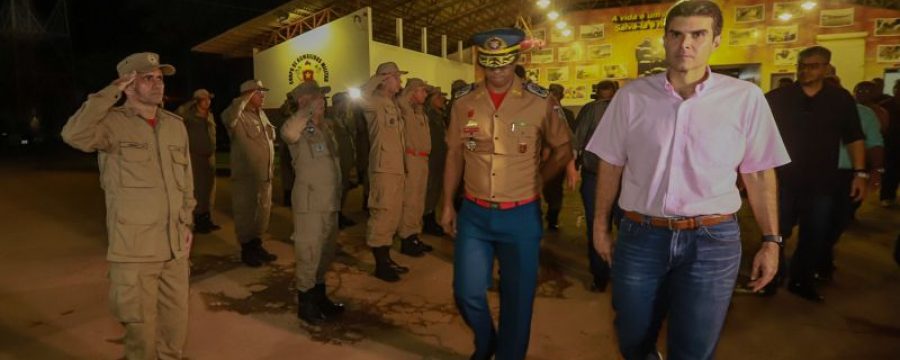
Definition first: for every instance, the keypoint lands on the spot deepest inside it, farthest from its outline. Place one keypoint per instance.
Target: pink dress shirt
(682, 157)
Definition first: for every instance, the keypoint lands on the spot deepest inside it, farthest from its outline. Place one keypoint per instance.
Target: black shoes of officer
(254, 255)
(430, 225)
(806, 291)
(308, 308)
(412, 246)
(385, 268)
(552, 220)
(344, 222)
(203, 224)
(286, 198)
(599, 285)
(329, 308)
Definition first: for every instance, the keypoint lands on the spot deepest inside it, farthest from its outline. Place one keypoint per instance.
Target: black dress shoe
(400, 269)
(345, 222)
(806, 291)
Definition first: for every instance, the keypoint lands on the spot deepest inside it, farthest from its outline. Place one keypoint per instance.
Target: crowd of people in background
(476, 166)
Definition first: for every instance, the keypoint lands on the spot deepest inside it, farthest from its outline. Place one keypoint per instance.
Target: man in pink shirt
(676, 142)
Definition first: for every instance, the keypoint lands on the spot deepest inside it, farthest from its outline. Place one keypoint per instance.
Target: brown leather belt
(679, 223)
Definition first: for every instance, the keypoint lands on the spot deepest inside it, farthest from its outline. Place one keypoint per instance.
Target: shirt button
(497, 138)
(493, 174)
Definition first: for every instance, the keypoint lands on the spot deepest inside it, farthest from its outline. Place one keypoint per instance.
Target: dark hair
(687, 8)
(814, 51)
(607, 85)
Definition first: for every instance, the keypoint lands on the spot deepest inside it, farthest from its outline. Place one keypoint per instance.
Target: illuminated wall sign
(637, 22)
(308, 67)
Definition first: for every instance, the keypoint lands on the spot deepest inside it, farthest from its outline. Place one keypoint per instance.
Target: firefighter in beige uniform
(418, 148)
(145, 173)
(201, 129)
(252, 152)
(386, 171)
(316, 199)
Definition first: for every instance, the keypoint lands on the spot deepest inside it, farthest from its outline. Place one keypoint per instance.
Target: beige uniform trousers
(252, 206)
(315, 242)
(414, 195)
(151, 301)
(385, 208)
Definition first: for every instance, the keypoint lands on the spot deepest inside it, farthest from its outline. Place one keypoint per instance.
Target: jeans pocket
(726, 231)
(631, 228)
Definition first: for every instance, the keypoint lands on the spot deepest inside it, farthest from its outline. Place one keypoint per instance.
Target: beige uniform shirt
(502, 147)
(415, 124)
(252, 150)
(314, 156)
(385, 134)
(145, 172)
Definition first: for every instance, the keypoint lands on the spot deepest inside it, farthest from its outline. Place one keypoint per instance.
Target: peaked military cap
(498, 47)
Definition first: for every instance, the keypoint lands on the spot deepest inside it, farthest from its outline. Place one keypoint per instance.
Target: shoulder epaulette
(536, 89)
(463, 91)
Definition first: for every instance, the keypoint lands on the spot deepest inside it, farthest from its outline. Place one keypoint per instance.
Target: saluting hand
(123, 81)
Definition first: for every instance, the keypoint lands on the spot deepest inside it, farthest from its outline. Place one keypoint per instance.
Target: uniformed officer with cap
(201, 129)
(418, 148)
(252, 153)
(386, 171)
(316, 199)
(341, 113)
(497, 129)
(436, 110)
(145, 173)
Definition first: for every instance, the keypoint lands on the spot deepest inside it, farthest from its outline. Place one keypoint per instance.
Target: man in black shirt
(813, 117)
(891, 176)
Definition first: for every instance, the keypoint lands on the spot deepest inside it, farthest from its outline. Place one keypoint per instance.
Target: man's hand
(125, 80)
(189, 239)
(858, 189)
(572, 177)
(448, 220)
(603, 243)
(765, 265)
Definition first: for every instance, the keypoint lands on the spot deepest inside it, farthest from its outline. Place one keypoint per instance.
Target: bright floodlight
(553, 15)
(561, 24)
(543, 4)
(808, 5)
(354, 93)
(567, 32)
(785, 16)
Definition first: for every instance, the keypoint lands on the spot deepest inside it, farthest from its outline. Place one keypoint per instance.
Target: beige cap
(203, 93)
(251, 85)
(309, 87)
(389, 68)
(412, 84)
(143, 62)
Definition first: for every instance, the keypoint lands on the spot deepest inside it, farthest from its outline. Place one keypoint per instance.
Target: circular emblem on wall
(308, 67)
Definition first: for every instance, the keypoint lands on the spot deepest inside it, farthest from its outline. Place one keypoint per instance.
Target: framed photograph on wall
(578, 92)
(557, 74)
(888, 54)
(599, 52)
(778, 78)
(587, 72)
(539, 34)
(568, 53)
(591, 31)
(781, 34)
(543, 56)
(614, 71)
(748, 14)
(786, 56)
(887, 27)
(743, 37)
(557, 36)
(794, 8)
(533, 74)
(836, 17)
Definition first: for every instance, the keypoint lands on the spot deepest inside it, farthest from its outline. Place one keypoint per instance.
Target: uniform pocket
(135, 230)
(125, 295)
(135, 167)
(179, 166)
(389, 160)
(252, 130)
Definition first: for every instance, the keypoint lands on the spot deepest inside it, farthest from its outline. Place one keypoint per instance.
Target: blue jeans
(599, 267)
(688, 275)
(512, 236)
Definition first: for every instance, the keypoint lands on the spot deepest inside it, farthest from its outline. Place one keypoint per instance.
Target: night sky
(53, 74)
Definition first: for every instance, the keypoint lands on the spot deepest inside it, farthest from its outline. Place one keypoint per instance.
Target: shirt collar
(704, 85)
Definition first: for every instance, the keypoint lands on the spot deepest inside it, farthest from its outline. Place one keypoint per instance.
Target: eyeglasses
(811, 66)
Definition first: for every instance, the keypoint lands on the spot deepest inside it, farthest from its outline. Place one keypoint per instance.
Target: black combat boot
(384, 266)
(308, 308)
(264, 255)
(329, 308)
(201, 227)
(430, 225)
(412, 246)
(344, 222)
(249, 254)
